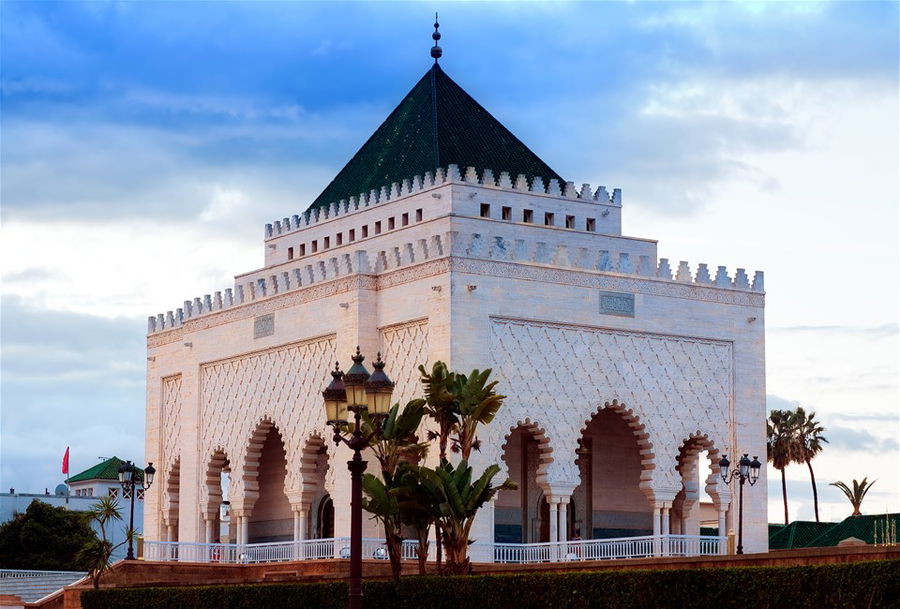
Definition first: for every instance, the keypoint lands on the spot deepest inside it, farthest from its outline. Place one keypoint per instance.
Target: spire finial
(436, 51)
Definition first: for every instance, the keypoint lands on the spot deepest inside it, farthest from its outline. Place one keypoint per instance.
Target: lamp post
(746, 470)
(128, 480)
(357, 392)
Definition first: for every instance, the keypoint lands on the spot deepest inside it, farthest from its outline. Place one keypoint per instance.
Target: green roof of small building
(105, 470)
(798, 534)
(861, 527)
(437, 124)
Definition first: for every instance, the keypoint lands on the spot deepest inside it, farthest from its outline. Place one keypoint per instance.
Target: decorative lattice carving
(405, 348)
(559, 375)
(171, 422)
(281, 385)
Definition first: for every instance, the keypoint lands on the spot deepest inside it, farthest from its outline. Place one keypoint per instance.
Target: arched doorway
(170, 501)
(325, 519)
(696, 508)
(518, 517)
(609, 501)
(271, 518)
(216, 514)
(314, 468)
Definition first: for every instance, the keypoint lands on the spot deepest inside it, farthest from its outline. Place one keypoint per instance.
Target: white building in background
(446, 238)
(84, 491)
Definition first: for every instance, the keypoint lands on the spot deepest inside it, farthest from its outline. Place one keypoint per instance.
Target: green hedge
(861, 585)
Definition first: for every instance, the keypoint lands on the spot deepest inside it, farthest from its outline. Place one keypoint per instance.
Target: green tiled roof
(105, 470)
(861, 527)
(436, 124)
(798, 534)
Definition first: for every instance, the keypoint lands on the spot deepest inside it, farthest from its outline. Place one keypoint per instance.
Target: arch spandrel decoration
(171, 421)
(405, 348)
(562, 374)
(282, 385)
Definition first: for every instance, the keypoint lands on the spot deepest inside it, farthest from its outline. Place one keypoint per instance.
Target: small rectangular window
(404, 219)
(527, 216)
(485, 210)
(326, 243)
(290, 253)
(391, 223)
(352, 236)
(506, 213)
(365, 231)
(378, 228)
(418, 215)
(315, 246)
(302, 249)
(548, 219)
(570, 221)
(340, 238)
(590, 225)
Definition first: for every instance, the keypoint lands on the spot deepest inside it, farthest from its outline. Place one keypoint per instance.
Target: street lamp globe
(335, 396)
(126, 472)
(149, 472)
(744, 466)
(724, 464)
(378, 390)
(755, 466)
(354, 381)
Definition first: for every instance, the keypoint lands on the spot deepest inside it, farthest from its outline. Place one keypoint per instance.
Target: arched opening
(325, 518)
(170, 501)
(695, 508)
(271, 518)
(518, 517)
(313, 468)
(609, 501)
(216, 512)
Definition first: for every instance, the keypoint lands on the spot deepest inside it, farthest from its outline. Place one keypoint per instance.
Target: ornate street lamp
(746, 470)
(357, 392)
(128, 480)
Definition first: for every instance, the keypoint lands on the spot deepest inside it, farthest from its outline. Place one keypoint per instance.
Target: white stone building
(445, 238)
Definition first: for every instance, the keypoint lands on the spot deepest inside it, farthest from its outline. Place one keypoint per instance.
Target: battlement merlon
(468, 238)
(578, 208)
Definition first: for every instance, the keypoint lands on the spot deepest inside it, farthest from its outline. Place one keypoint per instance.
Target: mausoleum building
(628, 376)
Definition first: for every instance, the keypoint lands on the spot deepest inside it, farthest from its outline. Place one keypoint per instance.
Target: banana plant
(397, 440)
(440, 402)
(451, 499)
(476, 404)
(382, 504)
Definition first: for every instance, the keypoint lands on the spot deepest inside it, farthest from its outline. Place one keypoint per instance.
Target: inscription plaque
(617, 303)
(264, 325)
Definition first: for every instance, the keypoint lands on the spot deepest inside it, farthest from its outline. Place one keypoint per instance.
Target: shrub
(861, 585)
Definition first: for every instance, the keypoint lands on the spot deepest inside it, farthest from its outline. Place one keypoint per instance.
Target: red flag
(65, 467)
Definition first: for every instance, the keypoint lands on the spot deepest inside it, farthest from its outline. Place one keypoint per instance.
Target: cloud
(883, 330)
(855, 439)
(68, 380)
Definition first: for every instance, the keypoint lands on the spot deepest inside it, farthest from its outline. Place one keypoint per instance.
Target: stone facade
(477, 269)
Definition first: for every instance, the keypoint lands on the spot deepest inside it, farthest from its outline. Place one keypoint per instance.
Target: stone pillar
(664, 516)
(553, 502)
(657, 510)
(210, 532)
(723, 509)
(563, 519)
(170, 532)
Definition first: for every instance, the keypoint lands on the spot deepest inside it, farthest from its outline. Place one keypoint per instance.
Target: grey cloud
(860, 440)
(883, 330)
(29, 275)
(68, 379)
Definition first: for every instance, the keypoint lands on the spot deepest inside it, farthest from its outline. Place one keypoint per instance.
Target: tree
(96, 554)
(396, 443)
(856, 494)
(452, 501)
(440, 403)
(781, 447)
(45, 538)
(809, 440)
(474, 403)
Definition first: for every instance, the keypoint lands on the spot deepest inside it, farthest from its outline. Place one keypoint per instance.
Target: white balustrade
(515, 553)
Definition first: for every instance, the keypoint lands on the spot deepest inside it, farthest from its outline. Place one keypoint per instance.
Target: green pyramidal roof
(437, 124)
(105, 470)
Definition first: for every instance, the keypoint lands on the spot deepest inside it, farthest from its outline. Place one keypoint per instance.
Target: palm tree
(476, 403)
(809, 441)
(452, 501)
(781, 447)
(856, 494)
(396, 443)
(95, 555)
(440, 403)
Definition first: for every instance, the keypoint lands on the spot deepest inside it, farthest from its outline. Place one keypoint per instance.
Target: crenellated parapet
(486, 178)
(609, 256)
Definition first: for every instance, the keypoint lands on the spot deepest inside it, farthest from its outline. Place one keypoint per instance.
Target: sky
(143, 146)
